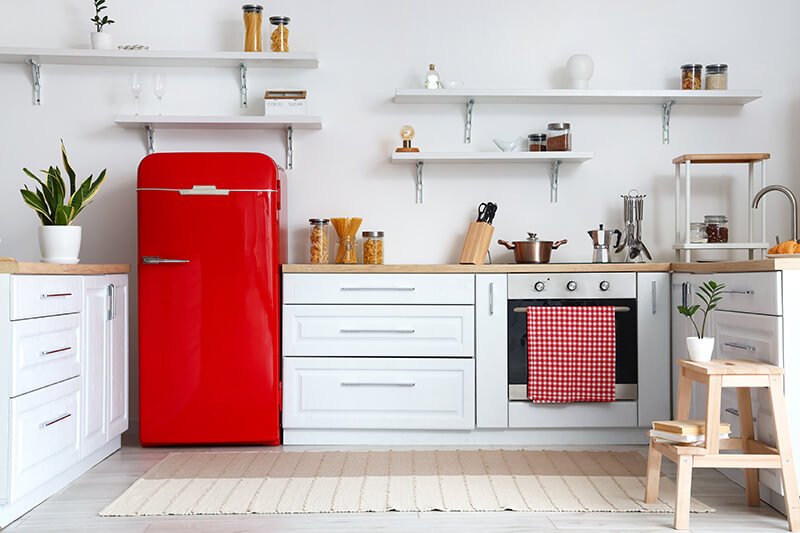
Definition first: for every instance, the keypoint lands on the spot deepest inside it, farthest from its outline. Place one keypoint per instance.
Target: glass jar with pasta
(252, 27)
(279, 40)
(372, 247)
(318, 237)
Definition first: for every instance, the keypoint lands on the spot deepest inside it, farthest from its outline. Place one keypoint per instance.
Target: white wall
(369, 48)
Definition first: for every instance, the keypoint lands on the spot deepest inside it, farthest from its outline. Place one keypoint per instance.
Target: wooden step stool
(741, 375)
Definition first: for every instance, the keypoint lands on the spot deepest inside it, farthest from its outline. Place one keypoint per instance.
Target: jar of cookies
(279, 40)
(372, 247)
(252, 27)
(318, 237)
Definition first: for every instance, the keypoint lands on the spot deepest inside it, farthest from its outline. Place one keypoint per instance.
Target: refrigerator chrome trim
(623, 391)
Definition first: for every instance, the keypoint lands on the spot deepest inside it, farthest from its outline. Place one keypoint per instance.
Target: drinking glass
(159, 88)
(135, 85)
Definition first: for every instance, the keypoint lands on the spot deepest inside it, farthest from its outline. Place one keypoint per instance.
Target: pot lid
(532, 237)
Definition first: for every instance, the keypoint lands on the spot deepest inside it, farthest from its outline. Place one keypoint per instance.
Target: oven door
(626, 337)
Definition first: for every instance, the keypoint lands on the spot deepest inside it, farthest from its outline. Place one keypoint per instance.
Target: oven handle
(617, 309)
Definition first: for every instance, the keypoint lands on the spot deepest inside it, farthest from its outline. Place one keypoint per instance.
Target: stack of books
(685, 431)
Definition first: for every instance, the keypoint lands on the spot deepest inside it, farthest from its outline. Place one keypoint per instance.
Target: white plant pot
(60, 244)
(580, 69)
(101, 40)
(700, 350)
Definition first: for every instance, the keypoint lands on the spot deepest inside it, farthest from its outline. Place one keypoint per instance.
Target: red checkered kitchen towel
(571, 354)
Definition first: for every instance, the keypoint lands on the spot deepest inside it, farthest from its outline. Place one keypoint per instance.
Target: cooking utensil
(532, 250)
(601, 238)
(486, 212)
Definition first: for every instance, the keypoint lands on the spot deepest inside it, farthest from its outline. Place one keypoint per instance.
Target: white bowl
(452, 84)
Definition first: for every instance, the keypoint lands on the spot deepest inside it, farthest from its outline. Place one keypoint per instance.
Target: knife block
(476, 244)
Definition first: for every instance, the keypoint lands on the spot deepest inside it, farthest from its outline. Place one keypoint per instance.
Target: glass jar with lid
(716, 228)
(691, 77)
(279, 40)
(537, 142)
(372, 247)
(697, 233)
(252, 27)
(559, 137)
(717, 77)
(318, 231)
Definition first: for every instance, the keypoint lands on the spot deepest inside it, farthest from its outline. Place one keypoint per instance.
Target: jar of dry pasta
(691, 77)
(318, 237)
(372, 247)
(279, 40)
(252, 27)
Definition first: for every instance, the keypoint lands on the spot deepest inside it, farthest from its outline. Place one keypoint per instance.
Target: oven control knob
(538, 286)
(571, 286)
(604, 286)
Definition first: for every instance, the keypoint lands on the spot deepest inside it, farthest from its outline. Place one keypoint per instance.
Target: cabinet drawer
(44, 351)
(745, 336)
(379, 393)
(368, 331)
(35, 296)
(752, 292)
(44, 435)
(572, 415)
(442, 289)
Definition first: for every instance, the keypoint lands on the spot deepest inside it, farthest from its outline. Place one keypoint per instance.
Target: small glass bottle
(559, 137)
(697, 233)
(432, 80)
(691, 77)
(279, 40)
(372, 247)
(318, 237)
(716, 77)
(716, 228)
(252, 27)
(537, 142)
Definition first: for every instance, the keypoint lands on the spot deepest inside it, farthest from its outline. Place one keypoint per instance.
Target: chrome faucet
(792, 198)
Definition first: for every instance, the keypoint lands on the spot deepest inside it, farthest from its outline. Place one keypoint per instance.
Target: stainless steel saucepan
(532, 250)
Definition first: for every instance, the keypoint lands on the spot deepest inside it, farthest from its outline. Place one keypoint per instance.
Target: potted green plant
(701, 347)
(100, 39)
(59, 240)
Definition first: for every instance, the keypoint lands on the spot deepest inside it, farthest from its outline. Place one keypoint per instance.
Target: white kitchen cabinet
(117, 356)
(491, 345)
(653, 309)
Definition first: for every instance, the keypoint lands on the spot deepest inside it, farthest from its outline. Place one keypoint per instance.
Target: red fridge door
(208, 301)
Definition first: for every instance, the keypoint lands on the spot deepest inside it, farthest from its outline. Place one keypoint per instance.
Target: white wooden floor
(76, 507)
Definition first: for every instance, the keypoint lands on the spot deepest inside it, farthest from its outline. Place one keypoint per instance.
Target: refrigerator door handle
(155, 260)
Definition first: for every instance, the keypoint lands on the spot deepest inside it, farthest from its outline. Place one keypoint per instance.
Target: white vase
(101, 40)
(60, 244)
(580, 69)
(700, 350)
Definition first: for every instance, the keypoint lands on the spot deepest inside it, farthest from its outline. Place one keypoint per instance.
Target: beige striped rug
(358, 481)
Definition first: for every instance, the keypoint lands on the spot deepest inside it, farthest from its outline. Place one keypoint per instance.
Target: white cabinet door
(118, 357)
(491, 349)
(93, 419)
(653, 311)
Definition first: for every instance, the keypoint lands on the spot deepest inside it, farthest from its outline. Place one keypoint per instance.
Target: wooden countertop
(16, 267)
(476, 269)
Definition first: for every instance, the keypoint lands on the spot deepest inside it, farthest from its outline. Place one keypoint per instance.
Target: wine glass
(135, 85)
(159, 88)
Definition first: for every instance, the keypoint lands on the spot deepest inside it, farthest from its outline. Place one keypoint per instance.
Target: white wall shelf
(555, 159)
(37, 57)
(665, 98)
(287, 123)
(722, 246)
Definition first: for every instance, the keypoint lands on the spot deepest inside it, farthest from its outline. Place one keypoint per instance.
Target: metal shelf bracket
(468, 122)
(150, 135)
(555, 166)
(242, 85)
(36, 70)
(420, 165)
(289, 148)
(667, 107)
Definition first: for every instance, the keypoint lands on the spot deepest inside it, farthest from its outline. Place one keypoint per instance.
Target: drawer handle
(56, 420)
(378, 384)
(406, 289)
(740, 346)
(403, 331)
(56, 295)
(731, 410)
(735, 291)
(155, 260)
(51, 352)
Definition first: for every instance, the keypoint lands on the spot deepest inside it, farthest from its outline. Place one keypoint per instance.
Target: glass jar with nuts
(318, 237)
(372, 247)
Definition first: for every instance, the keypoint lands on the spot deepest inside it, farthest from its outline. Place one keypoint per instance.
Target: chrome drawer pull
(404, 331)
(55, 420)
(734, 291)
(378, 384)
(740, 346)
(731, 410)
(51, 352)
(377, 289)
(56, 295)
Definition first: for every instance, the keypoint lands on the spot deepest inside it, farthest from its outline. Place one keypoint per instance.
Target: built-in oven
(573, 289)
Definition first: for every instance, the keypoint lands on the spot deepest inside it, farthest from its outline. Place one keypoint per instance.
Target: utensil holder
(476, 245)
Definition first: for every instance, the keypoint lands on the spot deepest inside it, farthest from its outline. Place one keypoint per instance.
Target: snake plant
(50, 200)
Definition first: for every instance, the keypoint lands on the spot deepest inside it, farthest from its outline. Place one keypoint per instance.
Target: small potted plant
(701, 347)
(100, 39)
(59, 240)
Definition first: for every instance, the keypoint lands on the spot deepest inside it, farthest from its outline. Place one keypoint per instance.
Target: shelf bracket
(242, 85)
(289, 148)
(36, 70)
(667, 107)
(420, 164)
(555, 166)
(468, 122)
(150, 135)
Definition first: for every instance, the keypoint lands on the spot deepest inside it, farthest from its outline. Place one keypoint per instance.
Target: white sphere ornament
(580, 69)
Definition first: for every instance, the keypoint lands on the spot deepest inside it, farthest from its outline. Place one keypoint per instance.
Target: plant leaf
(36, 204)
(68, 168)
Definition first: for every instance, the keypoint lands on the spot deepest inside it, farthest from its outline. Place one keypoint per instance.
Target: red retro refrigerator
(209, 299)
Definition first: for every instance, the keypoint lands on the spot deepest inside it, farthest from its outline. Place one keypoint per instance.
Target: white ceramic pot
(60, 244)
(580, 69)
(101, 40)
(700, 350)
